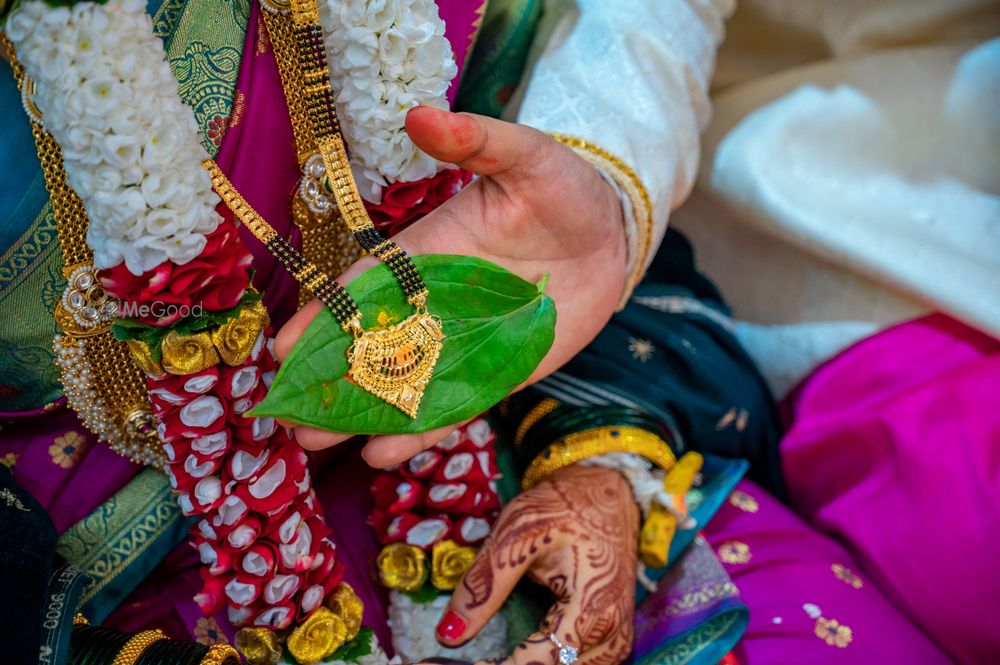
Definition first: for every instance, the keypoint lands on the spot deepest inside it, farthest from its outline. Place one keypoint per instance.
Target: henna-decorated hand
(574, 532)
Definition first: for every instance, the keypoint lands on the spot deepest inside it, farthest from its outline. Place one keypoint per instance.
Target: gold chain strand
(395, 364)
(282, 39)
(136, 645)
(101, 382)
(319, 99)
(578, 446)
(304, 271)
(326, 241)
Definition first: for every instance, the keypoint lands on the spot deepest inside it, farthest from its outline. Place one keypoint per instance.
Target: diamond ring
(567, 654)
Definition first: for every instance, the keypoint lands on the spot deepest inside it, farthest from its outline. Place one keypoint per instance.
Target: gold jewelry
(325, 239)
(102, 384)
(136, 645)
(221, 654)
(537, 412)
(578, 446)
(642, 206)
(395, 364)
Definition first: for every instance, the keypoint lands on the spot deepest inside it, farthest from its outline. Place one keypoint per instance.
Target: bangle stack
(93, 645)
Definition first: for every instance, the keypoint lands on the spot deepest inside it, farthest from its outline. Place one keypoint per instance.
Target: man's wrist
(636, 206)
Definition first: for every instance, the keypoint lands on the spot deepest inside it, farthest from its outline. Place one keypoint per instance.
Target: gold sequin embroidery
(833, 633)
(733, 551)
(744, 502)
(11, 500)
(846, 575)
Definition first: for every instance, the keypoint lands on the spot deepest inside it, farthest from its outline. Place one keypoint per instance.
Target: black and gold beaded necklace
(394, 364)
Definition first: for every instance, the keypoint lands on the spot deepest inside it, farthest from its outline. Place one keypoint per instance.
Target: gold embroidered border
(642, 206)
(106, 542)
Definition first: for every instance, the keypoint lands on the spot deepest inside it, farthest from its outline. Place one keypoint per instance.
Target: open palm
(537, 208)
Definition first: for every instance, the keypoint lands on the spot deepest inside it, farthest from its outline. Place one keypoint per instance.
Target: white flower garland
(413, 627)
(130, 146)
(385, 57)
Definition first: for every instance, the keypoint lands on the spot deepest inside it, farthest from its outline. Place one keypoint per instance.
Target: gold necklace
(101, 382)
(394, 364)
(326, 241)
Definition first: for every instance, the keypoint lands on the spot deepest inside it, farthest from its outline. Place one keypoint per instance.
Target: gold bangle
(220, 654)
(578, 446)
(537, 412)
(642, 205)
(136, 645)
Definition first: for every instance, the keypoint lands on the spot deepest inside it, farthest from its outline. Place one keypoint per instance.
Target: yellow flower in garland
(235, 338)
(143, 356)
(344, 602)
(449, 563)
(188, 354)
(402, 567)
(318, 637)
(68, 449)
(259, 645)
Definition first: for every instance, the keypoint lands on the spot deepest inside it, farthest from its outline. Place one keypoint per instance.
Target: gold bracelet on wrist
(638, 195)
(578, 446)
(136, 645)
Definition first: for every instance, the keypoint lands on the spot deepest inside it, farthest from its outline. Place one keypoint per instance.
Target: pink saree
(894, 449)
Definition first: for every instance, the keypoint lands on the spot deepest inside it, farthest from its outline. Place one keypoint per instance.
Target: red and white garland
(131, 152)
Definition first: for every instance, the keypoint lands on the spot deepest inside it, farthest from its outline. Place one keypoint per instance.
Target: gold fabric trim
(642, 205)
(597, 441)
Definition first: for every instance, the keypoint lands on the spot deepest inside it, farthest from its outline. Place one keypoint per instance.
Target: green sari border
(123, 540)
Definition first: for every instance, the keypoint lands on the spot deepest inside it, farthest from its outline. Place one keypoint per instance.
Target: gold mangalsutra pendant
(396, 364)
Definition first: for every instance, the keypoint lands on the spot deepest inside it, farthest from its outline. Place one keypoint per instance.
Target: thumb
(485, 587)
(482, 145)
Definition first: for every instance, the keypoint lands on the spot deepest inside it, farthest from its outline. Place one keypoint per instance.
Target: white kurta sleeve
(629, 80)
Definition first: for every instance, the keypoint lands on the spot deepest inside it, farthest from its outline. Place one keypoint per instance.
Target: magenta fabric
(462, 21)
(259, 157)
(796, 582)
(895, 450)
(60, 463)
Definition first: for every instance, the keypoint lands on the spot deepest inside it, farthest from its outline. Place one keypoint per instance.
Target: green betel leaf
(498, 327)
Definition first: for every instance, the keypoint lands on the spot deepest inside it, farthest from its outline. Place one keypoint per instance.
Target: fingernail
(452, 626)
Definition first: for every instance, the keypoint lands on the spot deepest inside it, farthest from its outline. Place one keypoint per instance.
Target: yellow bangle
(136, 645)
(220, 654)
(642, 206)
(598, 441)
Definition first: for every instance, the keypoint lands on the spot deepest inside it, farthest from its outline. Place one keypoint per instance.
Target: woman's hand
(537, 208)
(576, 533)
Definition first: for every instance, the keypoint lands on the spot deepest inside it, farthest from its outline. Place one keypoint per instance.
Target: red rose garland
(262, 537)
(405, 202)
(445, 493)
